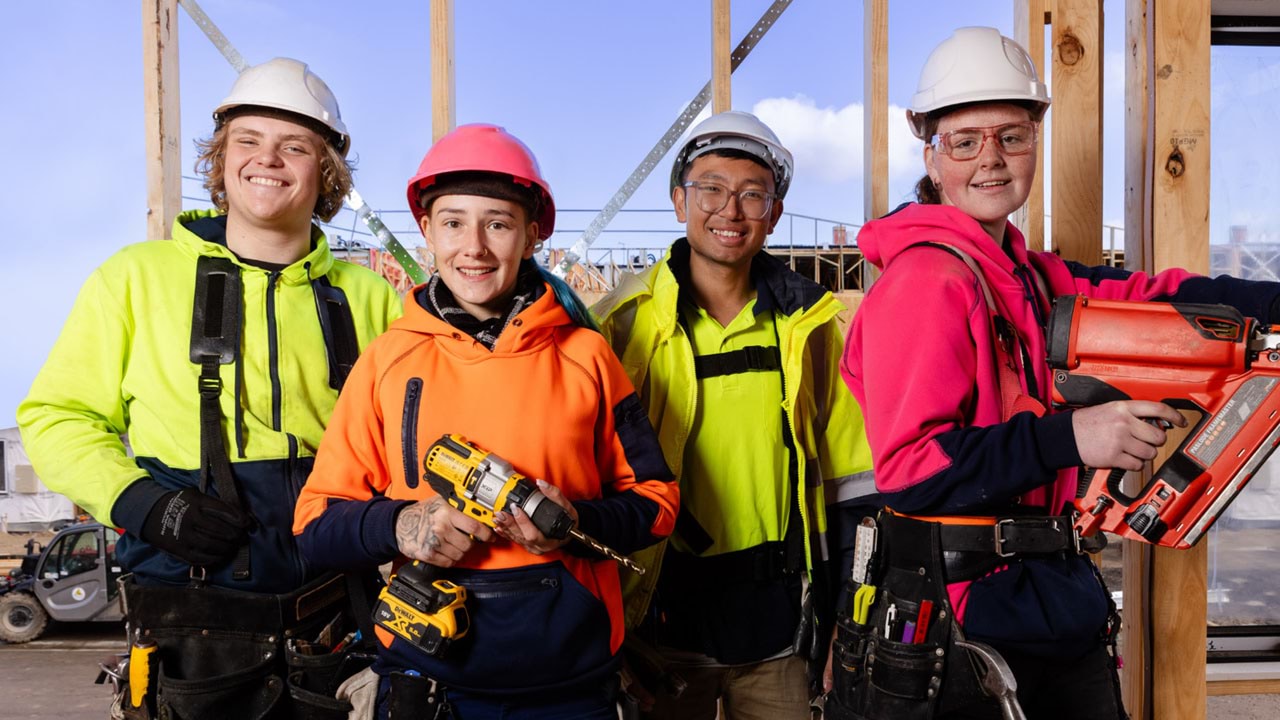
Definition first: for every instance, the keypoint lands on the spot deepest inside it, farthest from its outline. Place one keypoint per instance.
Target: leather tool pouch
(247, 656)
(413, 697)
(884, 668)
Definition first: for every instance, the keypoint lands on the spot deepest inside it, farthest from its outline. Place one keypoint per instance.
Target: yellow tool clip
(862, 601)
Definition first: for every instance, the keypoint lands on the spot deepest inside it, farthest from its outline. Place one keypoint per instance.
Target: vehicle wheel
(22, 619)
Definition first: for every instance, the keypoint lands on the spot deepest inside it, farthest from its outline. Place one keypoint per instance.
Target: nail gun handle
(1148, 514)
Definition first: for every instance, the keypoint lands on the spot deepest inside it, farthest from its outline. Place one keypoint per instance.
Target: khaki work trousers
(770, 690)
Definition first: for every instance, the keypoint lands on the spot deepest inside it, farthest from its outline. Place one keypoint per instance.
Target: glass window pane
(1244, 221)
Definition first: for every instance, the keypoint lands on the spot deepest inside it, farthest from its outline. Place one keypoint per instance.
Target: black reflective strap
(748, 359)
(215, 340)
(339, 330)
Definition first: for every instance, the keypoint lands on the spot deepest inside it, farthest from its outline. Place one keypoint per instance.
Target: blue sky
(590, 85)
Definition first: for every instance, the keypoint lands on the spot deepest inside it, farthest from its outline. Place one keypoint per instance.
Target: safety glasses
(967, 143)
(713, 197)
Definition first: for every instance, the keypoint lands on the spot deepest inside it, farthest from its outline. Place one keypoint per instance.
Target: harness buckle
(198, 575)
(999, 538)
(210, 385)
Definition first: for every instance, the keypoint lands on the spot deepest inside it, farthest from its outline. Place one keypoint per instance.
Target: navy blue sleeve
(353, 535)
(992, 465)
(1253, 298)
(622, 522)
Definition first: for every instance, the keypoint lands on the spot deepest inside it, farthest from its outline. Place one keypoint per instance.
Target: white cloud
(828, 142)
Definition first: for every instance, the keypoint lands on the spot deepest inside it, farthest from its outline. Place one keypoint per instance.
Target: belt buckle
(999, 538)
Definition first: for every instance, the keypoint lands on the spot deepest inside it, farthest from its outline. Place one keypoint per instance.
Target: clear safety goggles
(967, 143)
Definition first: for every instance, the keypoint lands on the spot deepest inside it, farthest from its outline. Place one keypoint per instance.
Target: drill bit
(605, 550)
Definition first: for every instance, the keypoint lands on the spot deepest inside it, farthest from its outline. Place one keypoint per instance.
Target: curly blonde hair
(335, 173)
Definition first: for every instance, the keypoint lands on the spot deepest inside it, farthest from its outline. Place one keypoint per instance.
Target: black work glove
(198, 528)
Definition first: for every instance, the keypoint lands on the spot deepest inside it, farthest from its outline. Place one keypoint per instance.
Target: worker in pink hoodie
(947, 357)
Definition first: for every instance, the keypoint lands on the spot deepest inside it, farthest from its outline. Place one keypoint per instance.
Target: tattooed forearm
(416, 534)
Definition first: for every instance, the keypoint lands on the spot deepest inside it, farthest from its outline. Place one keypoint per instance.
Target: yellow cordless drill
(423, 608)
(479, 483)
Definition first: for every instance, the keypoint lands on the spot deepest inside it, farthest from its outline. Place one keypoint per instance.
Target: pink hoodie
(919, 360)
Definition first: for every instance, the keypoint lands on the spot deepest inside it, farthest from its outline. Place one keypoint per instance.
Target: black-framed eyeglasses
(711, 197)
(967, 143)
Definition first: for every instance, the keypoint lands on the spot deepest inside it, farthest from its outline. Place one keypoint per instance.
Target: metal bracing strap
(669, 138)
(357, 203)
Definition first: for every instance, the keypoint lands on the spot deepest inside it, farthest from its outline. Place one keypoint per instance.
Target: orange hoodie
(552, 399)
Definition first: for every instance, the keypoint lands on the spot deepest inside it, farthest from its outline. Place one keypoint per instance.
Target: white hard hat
(976, 64)
(289, 85)
(736, 130)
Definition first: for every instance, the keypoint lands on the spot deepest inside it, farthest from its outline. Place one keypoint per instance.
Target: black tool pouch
(222, 653)
(314, 674)
(236, 676)
(413, 697)
(884, 669)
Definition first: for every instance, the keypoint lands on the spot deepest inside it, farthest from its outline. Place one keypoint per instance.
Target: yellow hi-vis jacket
(640, 318)
(122, 365)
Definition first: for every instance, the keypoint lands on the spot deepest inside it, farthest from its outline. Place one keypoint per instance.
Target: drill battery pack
(423, 609)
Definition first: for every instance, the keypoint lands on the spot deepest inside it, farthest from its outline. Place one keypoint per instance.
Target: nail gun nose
(996, 677)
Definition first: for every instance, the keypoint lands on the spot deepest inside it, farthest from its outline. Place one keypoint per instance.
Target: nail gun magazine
(1205, 360)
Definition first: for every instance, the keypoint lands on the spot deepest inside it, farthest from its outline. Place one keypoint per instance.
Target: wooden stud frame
(443, 117)
(1167, 223)
(875, 118)
(1029, 20)
(161, 114)
(1077, 131)
(721, 62)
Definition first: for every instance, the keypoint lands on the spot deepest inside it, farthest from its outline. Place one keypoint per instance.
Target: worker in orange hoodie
(493, 348)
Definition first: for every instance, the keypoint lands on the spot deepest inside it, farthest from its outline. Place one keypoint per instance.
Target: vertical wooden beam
(160, 102)
(442, 76)
(1180, 238)
(875, 118)
(1135, 676)
(1138, 134)
(1029, 20)
(721, 68)
(1167, 223)
(1077, 139)
(875, 108)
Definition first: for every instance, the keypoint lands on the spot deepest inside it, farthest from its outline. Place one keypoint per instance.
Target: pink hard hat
(484, 148)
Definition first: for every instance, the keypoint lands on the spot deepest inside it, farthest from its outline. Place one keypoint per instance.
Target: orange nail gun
(1205, 358)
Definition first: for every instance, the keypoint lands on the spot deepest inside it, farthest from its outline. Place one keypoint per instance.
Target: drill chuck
(547, 516)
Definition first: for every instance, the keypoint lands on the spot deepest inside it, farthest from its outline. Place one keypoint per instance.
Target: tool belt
(224, 653)
(703, 603)
(766, 562)
(973, 546)
(885, 665)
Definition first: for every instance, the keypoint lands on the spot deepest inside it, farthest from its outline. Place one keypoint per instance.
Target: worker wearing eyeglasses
(735, 357)
(947, 356)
